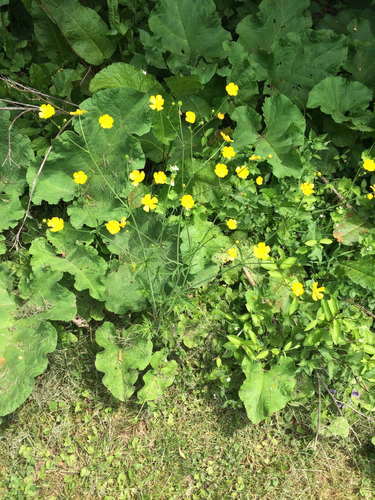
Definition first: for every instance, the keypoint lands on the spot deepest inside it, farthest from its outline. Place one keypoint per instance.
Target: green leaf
(50, 37)
(183, 85)
(84, 28)
(293, 306)
(23, 349)
(242, 72)
(248, 122)
(313, 337)
(362, 271)
(338, 427)
(298, 62)
(81, 261)
(158, 379)
(166, 123)
(11, 211)
(336, 330)
(125, 353)
(124, 75)
(285, 128)
(345, 101)
(190, 28)
(45, 297)
(275, 20)
(264, 393)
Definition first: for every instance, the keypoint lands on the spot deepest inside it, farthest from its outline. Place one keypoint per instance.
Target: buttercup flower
(156, 102)
(297, 289)
(226, 137)
(149, 203)
(106, 121)
(56, 224)
(113, 226)
(80, 177)
(190, 117)
(269, 156)
(373, 188)
(220, 116)
(259, 180)
(316, 295)
(367, 164)
(261, 251)
(221, 170)
(77, 112)
(228, 152)
(232, 224)
(254, 157)
(232, 89)
(160, 177)
(123, 222)
(242, 172)
(136, 176)
(232, 252)
(307, 188)
(187, 201)
(46, 111)
(370, 196)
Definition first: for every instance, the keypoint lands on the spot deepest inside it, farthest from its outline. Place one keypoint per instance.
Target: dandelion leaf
(124, 354)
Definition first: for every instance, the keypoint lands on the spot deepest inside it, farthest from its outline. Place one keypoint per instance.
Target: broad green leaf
(362, 271)
(50, 37)
(63, 80)
(11, 211)
(190, 28)
(166, 123)
(84, 28)
(264, 393)
(23, 349)
(345, 101)
(81, 261)
(124, 75)
(242, 72)
(336, 330)
(8, 304)
(350, 228)
(360, 62)
(339, 426)
(298, 62)
(248, 122)
(45, 297)
(183, 85)
(13, 165)
(312, 338)
(159, 378)
(285, 128)
(275, 20)
(124, 354)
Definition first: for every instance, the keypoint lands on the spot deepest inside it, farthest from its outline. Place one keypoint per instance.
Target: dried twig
(249, 276)
(360, 307)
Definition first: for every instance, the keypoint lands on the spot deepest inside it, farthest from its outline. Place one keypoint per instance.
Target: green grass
(72, 440)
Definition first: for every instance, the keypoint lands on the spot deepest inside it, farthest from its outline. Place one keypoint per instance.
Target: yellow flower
(228, 152)
(261, 251)
(226, 137)
(149, 203)
(187, 201)
(307, 188)
(259, 180)
(80, 177)
(221, 170)
(113, 226)
(232, 224)
(242, 172)
(136, 176)
(258, 157)
(123, 222)
(156, 102)
(373, 188)
(220, 116)
(55, 224)
(367, 164)
(46, 111)
(370, 196)
(77, 112)
(316, 292)
(297, 289)
(232, 252)
(269, 156)
(190, 117)
(319, 174)
(232, 89)
(106, 121)
(254, 158)
(160, 177)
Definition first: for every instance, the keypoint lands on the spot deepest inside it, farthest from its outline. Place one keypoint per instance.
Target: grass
(72, 440)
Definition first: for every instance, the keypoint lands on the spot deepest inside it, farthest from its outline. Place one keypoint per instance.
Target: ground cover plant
(179, 174)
